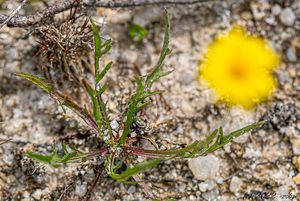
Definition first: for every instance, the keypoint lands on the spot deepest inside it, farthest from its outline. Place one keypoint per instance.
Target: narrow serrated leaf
(102, 89)
(97, 41)
(99, 76)
(36, 80)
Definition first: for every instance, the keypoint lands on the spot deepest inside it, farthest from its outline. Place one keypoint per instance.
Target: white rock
(80, 189)
(114, 124)
(235, 184)
(271, 20)
(211, 185)
(283, 77)
(281, 191)
(204, 167)
(296, 146)
(13, 53)
(203, 186)
(186, 78)
(276, 10)
(287, 17)
(291, 55)
(131, 189)
(182, 187)
(37, 194)
(211, 195)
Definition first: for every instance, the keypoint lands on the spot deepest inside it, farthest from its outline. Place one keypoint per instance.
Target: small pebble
(80, 189)
(287, 17)
(291, 55)
(186, 78)
(37, 194)
(202, 186)
(131, 189)
(211, 195)
(114, 124)
(235, 184)
(276, 10)
(296, 179)
(283, 77)
(204, 167)
(296, 146)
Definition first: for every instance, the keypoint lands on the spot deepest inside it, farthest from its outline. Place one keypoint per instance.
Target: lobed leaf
(99, 76)
(98, 42)
(143, 91)
(157, 72)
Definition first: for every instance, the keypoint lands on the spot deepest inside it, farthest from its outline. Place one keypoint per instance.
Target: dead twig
(12, 14)
(24, 21)
(89, 192)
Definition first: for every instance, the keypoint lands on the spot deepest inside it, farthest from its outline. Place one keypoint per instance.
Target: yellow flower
(239, 68)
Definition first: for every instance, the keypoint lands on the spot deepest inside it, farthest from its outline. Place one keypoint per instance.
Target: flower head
(239, 68)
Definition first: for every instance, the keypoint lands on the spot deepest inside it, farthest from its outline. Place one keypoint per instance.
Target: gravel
(235, 184)
(263, 161)
(291, 55)
(287, 17)
(80, 188)
(204, 167)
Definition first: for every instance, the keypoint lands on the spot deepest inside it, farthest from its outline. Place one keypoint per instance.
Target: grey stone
(114, 124)
(283, 77)
(203, 186)
(186, 78)
(211, 195)
(291, 55)
(287, 17)
(131, 189)
(276, 10)
(204, 167)
(235, 184)
(37, 194)
(80, 188)
(296, 146)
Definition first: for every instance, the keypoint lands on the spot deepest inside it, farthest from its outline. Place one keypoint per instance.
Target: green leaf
(221, 141)
(100, 50)
(102, 89)
(63, 100)
(56, 160)
(36, 80)
(98, 42)
(136, 169)
(137, 32)
(144, 87)
(96, 105)
(99, 76)
(41, 158)
(157, 72)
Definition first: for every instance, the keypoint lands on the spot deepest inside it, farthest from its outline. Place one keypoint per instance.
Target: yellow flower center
(237, 72)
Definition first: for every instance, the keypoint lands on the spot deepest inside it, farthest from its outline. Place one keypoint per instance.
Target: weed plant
(117, 151)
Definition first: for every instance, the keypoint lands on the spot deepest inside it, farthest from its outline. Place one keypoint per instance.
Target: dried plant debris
(65, 47)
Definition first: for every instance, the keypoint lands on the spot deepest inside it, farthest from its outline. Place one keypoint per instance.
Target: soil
(263, 164)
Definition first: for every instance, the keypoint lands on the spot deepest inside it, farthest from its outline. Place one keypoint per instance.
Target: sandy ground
(263, 163)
